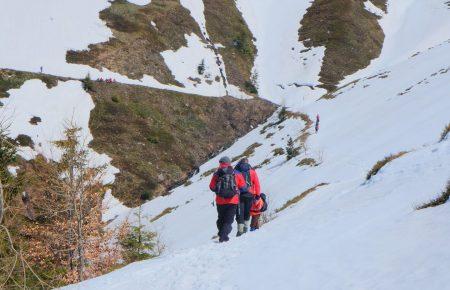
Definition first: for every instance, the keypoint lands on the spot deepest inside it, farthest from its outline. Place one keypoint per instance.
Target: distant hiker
(317, 123)
(246, 197)
(42, 69)
(227, 184)
(259, 206)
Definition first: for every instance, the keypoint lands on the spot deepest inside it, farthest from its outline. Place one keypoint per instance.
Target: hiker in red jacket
(227, 184)
(246, 197)
(259, 206)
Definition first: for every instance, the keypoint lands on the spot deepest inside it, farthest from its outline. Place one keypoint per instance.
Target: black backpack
(226, 186)
(248, 179)
(266, 204)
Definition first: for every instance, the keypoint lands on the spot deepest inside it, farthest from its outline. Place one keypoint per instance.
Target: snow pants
(225, 219)
(243, 213)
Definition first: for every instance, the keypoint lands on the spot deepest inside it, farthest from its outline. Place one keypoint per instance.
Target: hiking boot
(246, 226)
(240, 230)
(222, 240)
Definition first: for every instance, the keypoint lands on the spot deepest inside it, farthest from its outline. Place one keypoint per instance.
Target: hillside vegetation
(157, 138)
(351, 34)
(226, 26)
(137, 44)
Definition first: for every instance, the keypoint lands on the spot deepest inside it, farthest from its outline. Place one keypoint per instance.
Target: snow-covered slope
(348, 234)
(343, 236)
(40, 36)
(357, 234)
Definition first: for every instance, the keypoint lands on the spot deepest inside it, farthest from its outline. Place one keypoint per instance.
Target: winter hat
(225, 159)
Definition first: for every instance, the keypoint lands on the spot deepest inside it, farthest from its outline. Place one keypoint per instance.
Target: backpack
(226, 186)
(248, 179)
(266, 204)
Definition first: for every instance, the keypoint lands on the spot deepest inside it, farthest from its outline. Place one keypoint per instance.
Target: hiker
(259, 206)
(227, 184)
(246, 197)
(317, 123)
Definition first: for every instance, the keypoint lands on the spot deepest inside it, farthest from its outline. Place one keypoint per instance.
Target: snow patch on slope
(140, 2)
(282, 60)
(373, 9)
(184, 65)
(410, 26)
(197, 8)
(56, 107)
(40, 36)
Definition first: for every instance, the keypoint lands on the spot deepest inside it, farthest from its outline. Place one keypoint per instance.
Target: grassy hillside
(157, 138)
(11, 79)
(137, 44)
(226, 26)
(351, 34)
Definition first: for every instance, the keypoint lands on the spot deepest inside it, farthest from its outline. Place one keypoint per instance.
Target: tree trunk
(1, 203)
(80, 234)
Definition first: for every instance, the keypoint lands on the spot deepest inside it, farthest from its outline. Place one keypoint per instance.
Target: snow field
(57, 107)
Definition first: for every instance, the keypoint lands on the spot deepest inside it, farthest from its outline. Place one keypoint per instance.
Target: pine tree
(88, 84)
(137, 243)
(291, 151)
(201, 67)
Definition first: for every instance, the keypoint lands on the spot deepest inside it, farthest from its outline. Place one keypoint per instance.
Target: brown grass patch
(265, 162)
(307, 162)
(247, 153)
(136, 46)
(445, 133)
(441, 199)
(278, 151)
(351, 34)
(380, 164)
(163, 213)
(208, 172)
(299, 197)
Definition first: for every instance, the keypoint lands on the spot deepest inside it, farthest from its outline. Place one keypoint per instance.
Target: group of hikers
(238, 194)
(109, 81)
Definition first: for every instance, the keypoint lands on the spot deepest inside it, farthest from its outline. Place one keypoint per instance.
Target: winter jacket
(257, 205)
(240, 182)
(244, 169)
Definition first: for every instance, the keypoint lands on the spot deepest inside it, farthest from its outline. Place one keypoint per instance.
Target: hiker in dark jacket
(227, 184)
(246, 197)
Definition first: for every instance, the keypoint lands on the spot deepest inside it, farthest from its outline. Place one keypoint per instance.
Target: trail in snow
(359, 237)
(362, 125)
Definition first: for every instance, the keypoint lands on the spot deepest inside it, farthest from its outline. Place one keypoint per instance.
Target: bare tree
(68, 194)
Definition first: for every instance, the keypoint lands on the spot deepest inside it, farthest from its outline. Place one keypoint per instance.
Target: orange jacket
(256, 206)
(240, 182)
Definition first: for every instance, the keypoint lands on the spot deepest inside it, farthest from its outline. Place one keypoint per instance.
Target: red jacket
(256, 187)
(240, 182)
(245, 169)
